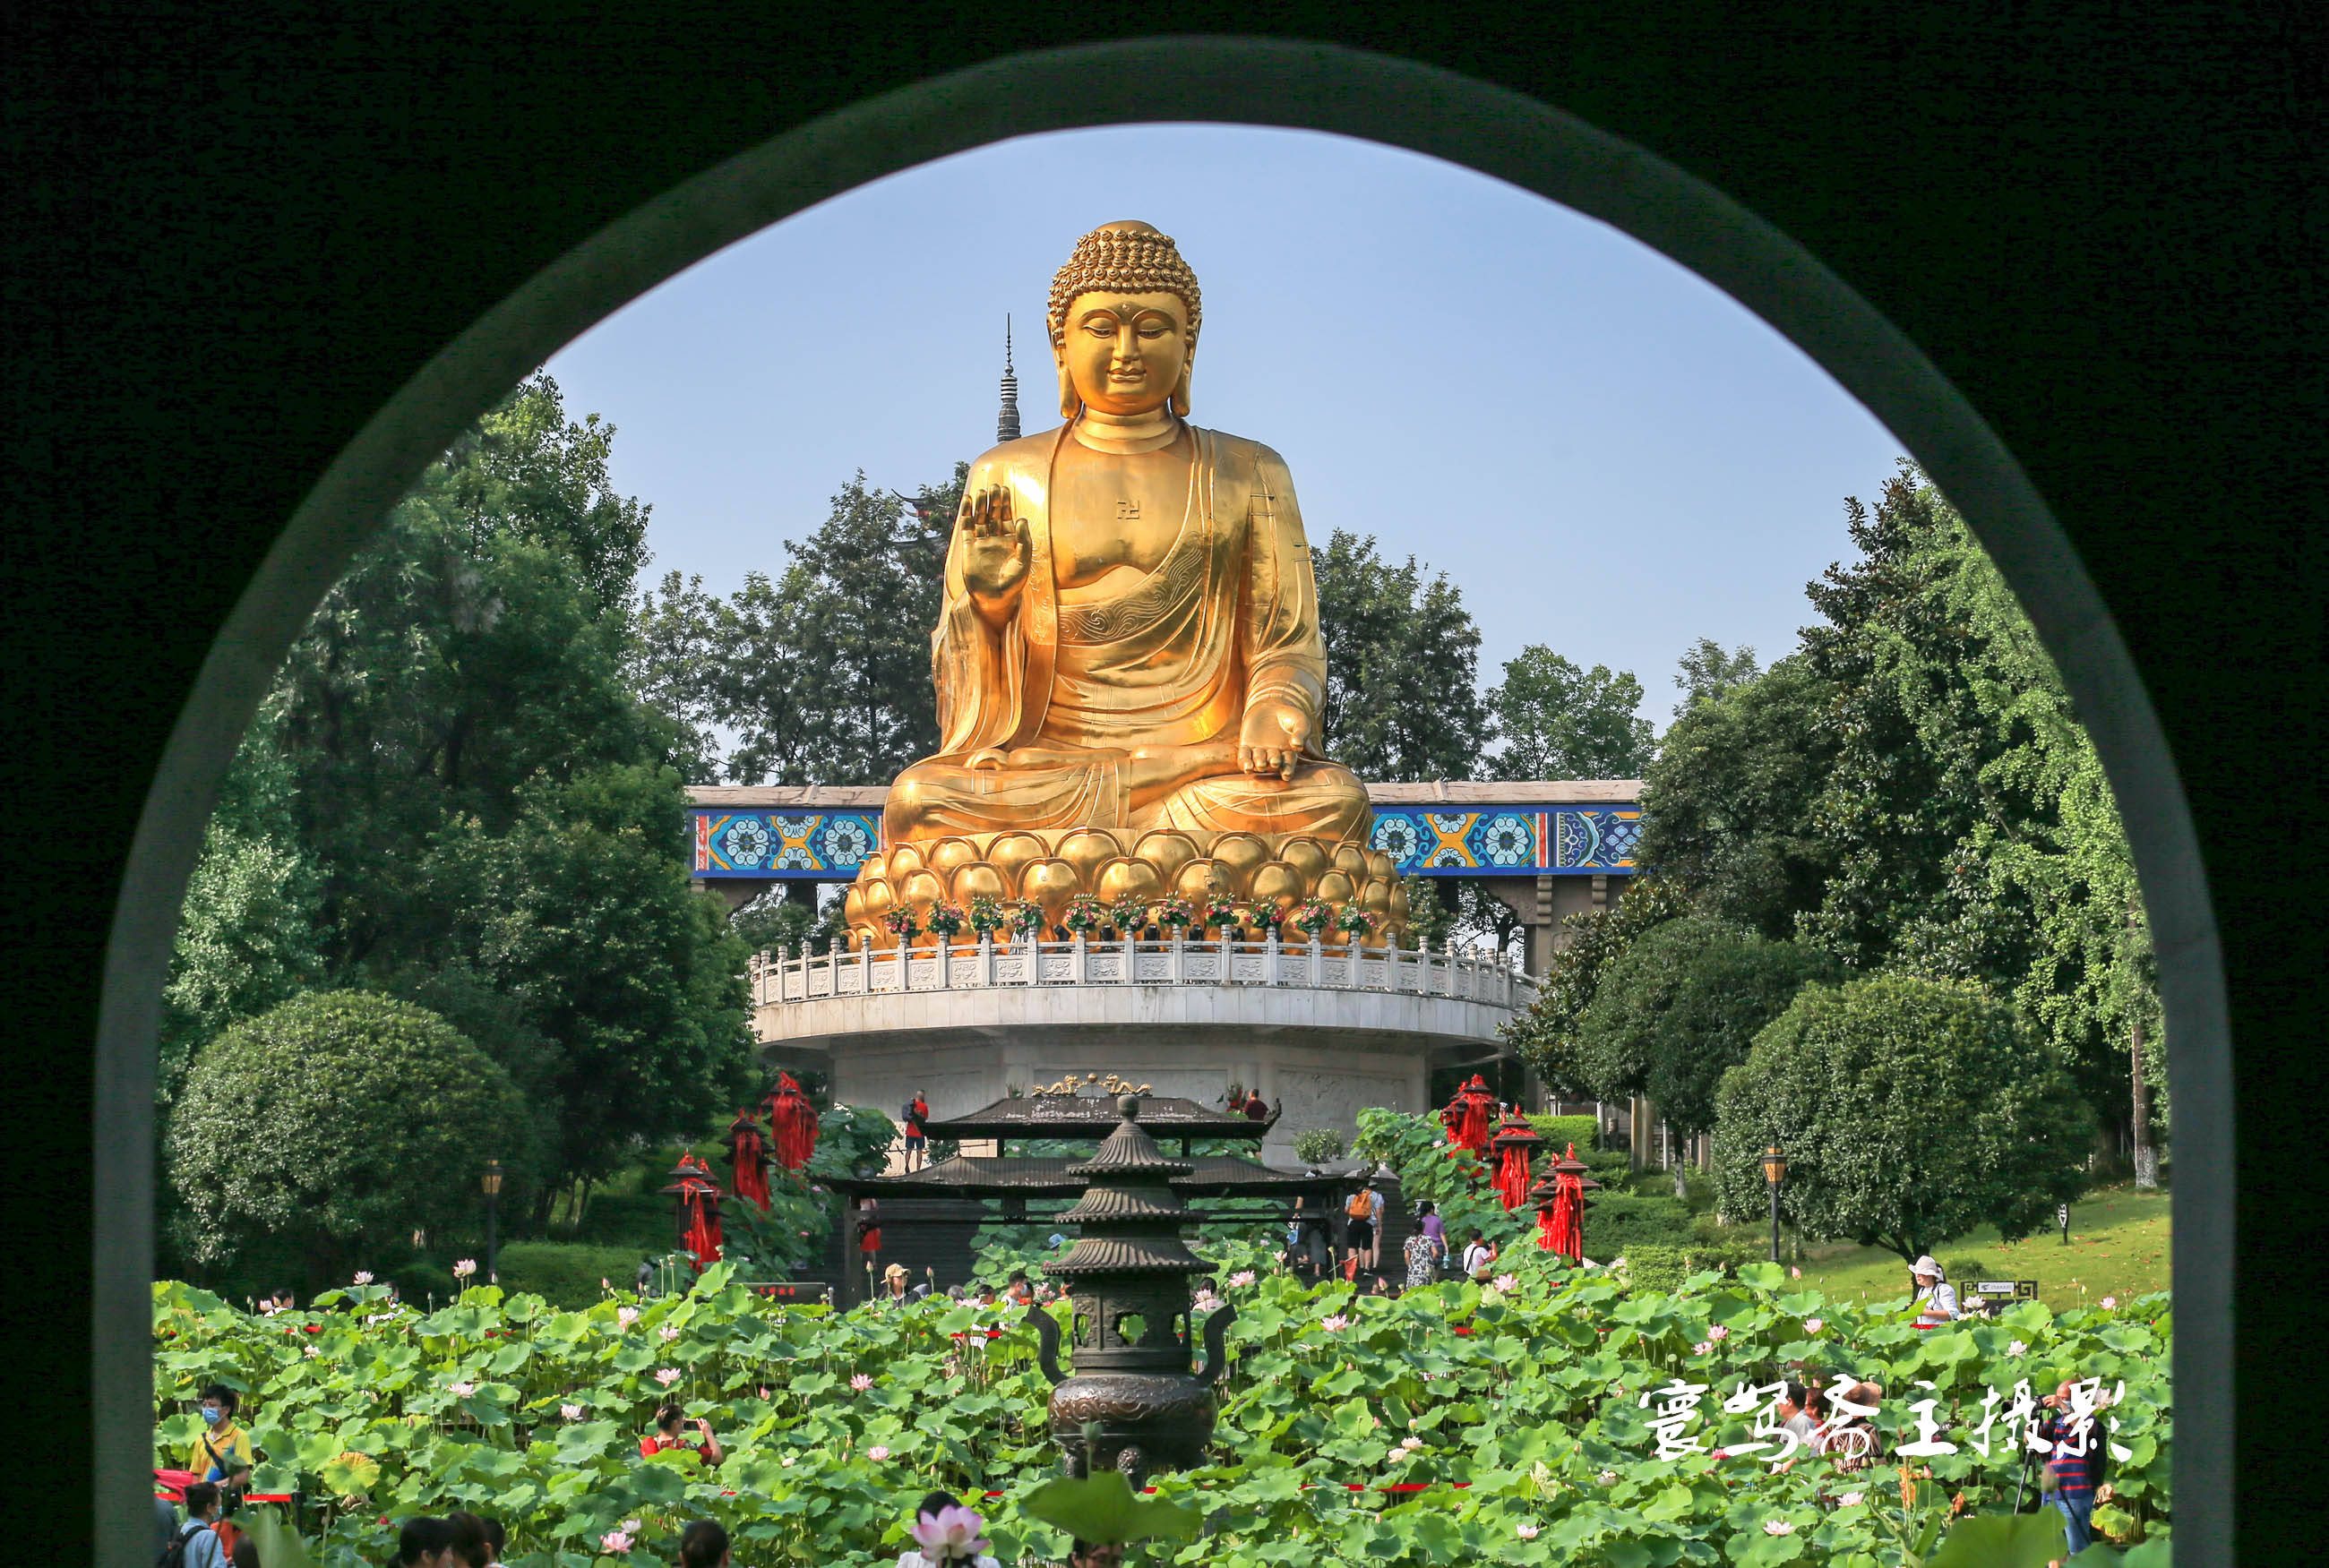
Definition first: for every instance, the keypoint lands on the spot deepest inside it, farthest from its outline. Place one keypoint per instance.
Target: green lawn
(2118, 1247)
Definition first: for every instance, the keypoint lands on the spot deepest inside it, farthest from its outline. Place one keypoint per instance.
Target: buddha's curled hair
(1125, 257)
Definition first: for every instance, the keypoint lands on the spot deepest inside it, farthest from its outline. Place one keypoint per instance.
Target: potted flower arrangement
(1355, 922)
(1224, 913)
(1316, 917)
(1127, 913)
(899, 923)
(1174, 913)
(1085, 914)
(1266, 916)
(987, 915)
(1026, 918)
(947, 921)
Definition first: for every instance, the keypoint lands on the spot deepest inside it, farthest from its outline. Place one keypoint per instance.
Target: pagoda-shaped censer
(1132, 1404)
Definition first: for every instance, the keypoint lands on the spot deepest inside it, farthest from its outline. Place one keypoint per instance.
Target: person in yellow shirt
(222, 1451)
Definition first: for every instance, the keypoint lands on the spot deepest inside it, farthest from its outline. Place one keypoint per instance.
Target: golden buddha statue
(1129, 642)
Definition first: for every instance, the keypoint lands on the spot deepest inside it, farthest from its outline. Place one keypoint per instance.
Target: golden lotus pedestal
(1049, 866)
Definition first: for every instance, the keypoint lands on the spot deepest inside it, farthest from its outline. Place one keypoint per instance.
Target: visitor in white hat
(1936, 1300)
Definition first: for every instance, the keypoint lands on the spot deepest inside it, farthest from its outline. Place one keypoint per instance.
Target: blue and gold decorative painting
(822, 846)
(1508, 842)
(1518, 840)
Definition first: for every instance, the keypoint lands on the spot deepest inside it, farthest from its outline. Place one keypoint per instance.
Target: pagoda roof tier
(1095, 1115)
(1158, 1255)
(1127, 1205)
(981, 1176)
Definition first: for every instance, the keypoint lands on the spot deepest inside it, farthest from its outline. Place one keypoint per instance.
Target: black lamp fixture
(1775, 1171)
(492, 1210)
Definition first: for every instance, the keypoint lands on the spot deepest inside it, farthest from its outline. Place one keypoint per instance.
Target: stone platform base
(1049, 866)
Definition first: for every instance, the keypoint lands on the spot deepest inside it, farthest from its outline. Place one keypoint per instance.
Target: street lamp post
(493, 1213)
(1775, 1171)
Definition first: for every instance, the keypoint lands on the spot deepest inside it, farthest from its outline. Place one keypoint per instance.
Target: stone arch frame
(1247, 80)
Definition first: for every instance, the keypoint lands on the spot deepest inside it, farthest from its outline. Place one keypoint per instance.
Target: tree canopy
(1403, 653)
(456, 794)
(337, 1121)
(1910, 1112)
(1557, 720)
(1680, 1007)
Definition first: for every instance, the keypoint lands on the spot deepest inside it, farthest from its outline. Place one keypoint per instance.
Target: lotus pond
(1457, 1423)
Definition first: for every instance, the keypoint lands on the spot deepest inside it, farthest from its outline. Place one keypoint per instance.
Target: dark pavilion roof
(1095, 1115)
(1211, 1176)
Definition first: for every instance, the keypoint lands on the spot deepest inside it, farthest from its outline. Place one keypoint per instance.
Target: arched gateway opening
(1400, 103)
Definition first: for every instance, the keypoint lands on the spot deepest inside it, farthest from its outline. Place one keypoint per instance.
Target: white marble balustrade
(987, 964)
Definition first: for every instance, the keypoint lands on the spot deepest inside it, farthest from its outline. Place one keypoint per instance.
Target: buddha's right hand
(995, 550)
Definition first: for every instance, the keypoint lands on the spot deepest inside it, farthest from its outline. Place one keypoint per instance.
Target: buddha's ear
(1070, 404)
(1181, 389)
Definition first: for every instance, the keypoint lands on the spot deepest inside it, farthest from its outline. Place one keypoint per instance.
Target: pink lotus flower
(1525, 1532)
(1242, 1277)
(2110, 1302)
(1777, 1527)
(1395, 1456)
(1814, 1325)
(1702, 1348)
(312, 1353)
(861, 1382)
(1334, 1324)
(1852, 1499)
(464, 1268)
(617, 1541)
(1718, 1333)
(877, 1452)
(462, 1389)
(952, 1533)
(1411, 1442)
(1794, 1273)
(626, 1316)
(1720, 1453)
(1508, 1281)
(669, 1333)
(667, 1377)
(2017, 1348)
(786, 1461)
(604, 1283)
(363, 1276)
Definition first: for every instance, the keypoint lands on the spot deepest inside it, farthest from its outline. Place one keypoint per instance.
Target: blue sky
(1607, 455)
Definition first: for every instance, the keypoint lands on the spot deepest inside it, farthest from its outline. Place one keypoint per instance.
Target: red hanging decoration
(1514, 1142)
(1561, 1204)
(747, 1160)
(792, 1124)
(1468, 1116)
(698, 1210)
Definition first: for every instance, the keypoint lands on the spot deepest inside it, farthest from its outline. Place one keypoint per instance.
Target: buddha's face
(1124, 352)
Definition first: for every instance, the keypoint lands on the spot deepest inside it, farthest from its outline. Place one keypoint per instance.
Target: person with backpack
(916, 1117)
(196, 1544)
(222, 1451)
(1358, 1231)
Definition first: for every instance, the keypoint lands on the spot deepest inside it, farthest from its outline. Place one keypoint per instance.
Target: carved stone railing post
(987, 958)
(1083, 961)
(1270, 948)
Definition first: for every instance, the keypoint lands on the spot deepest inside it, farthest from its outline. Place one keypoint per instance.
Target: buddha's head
(1123, 316)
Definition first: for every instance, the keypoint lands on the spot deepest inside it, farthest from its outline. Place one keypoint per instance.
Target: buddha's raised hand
(995, 552)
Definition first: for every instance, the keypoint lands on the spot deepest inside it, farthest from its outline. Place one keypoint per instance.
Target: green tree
(246, 937)
(1707, 672)
(826, 670)
(675, 665)
(1547, 1034)
(494, 814)
(1402, 654)
(1560, 721)
(1680, 1007)
(1911, 1110)
(582, 911)
(339, 1120)
(1730, 805)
